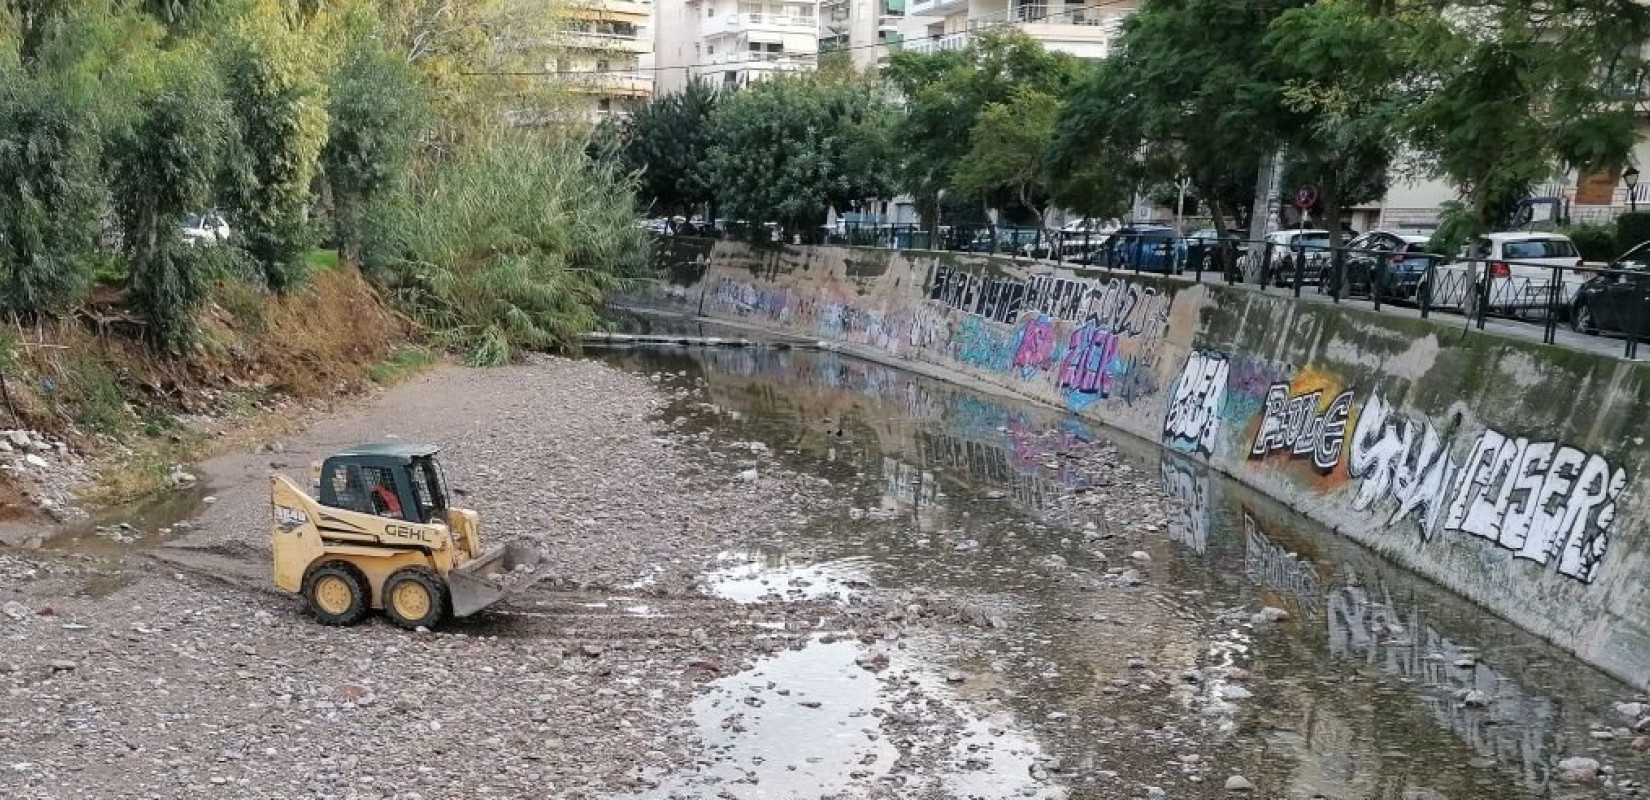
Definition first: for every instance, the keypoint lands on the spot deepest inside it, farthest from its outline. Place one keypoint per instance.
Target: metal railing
(1587, 298)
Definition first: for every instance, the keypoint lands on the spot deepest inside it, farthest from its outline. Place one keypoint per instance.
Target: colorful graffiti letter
(1294, 425)
(1086, 369)
(1195, 404)
(1036, 346)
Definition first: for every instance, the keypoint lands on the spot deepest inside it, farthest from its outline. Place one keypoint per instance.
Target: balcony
(763, 61)
(1083, 31)
(611, 84)
(936, 44)
(725, 24)
(936, 8)
(630, 11)
(607, 42)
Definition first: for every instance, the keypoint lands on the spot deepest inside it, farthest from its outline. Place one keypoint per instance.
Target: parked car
(204, 229)
(1149, 248)
(1203, 248)
(1519, 267)
(1296, 251)
(1398, 261)
(1007, 239)
(1616, 301)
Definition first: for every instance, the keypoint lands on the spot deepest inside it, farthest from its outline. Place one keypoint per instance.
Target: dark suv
(1616, 301)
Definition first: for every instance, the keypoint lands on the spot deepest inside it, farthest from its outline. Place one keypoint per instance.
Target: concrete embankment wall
(1511, 472)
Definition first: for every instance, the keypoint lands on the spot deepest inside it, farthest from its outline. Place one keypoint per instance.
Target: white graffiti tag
(1193, 422)
(1542, 501)
(1294, 425)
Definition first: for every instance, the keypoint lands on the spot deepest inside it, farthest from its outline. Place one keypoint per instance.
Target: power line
(787, 56)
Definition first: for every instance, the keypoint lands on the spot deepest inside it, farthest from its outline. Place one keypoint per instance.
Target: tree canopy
(789, 149)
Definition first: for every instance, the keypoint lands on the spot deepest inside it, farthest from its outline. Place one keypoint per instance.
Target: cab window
(426, 479)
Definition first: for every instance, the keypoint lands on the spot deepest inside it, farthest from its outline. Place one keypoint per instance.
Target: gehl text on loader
(379, 534)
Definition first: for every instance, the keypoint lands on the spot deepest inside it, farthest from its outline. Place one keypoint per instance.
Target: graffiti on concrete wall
(1035, 350)
(1111, 350)
(1301, 426)
(1540, 500)
(1195, 403)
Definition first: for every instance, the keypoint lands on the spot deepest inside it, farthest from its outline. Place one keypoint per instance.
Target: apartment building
(604, 55)
(1083, 28)
(733, 42)
(868, 30)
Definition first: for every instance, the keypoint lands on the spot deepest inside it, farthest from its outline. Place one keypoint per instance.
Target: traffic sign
(1306, 196)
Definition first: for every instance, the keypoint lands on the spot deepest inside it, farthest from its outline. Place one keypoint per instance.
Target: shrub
(512, 244)
(1596, 242)
(1632, 229)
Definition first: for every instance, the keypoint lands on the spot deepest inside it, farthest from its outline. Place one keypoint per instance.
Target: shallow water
(1357, 694)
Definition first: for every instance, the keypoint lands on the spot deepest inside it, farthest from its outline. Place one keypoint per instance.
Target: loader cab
(397, 481)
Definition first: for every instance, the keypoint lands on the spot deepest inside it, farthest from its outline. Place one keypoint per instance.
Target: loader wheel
(336, 593)
(415, 598)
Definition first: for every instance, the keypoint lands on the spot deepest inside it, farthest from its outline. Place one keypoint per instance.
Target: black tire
(1581, 320)
(328, 608)
(425, 614)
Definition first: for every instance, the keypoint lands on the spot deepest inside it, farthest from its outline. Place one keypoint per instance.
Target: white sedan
(1520, 269)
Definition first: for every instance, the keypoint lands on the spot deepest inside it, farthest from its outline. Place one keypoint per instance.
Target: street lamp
(1631, 178)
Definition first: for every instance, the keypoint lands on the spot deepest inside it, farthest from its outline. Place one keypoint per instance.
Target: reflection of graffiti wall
(1189, 483)
(1514, 728)
(1496, 467)
(1272, 566)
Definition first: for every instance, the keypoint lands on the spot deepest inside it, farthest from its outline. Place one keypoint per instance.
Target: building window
(604, 105)
(603, 65)
(730, 78)
(710, 49)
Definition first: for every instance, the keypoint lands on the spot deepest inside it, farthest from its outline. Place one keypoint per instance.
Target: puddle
(758, 576)
(147, 523)
(812, 723)
(956, 497)
(762, 744)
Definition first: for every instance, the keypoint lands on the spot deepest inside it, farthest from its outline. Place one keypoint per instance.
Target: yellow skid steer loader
(379, 535)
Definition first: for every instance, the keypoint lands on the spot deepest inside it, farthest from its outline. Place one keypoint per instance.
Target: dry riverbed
(166, 666)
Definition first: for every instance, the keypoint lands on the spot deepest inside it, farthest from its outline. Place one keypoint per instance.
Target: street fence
(1588, 298)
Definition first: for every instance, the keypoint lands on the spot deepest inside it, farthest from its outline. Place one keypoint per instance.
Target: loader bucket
(492, 576)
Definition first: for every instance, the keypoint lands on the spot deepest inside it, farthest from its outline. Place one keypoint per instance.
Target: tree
(1182, 98)
(165, 167)
(480, 60)
(945, 93)
(666, 142)
(49, 207)
(376, 111)
(1342, 64)
(279, 108)
(1516, 92)
(789, 148)
(1005, 157)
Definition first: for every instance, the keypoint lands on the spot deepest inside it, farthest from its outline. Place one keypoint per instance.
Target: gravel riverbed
(177, 670)
(667, 655)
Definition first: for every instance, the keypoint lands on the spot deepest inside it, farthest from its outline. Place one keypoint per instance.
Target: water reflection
(1363, 691)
